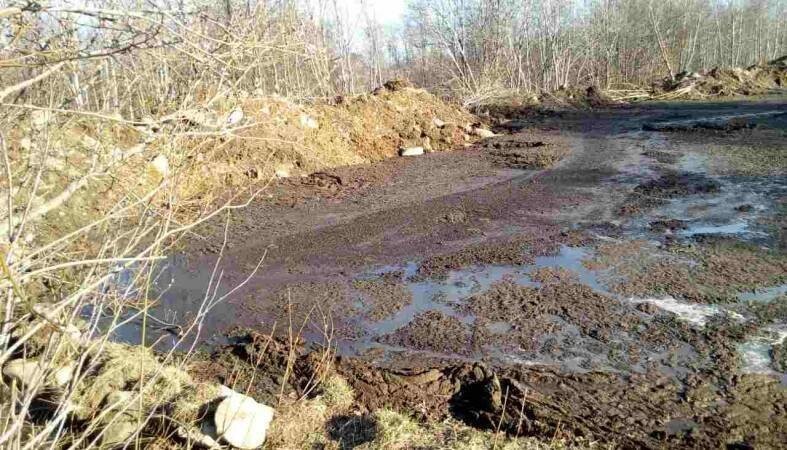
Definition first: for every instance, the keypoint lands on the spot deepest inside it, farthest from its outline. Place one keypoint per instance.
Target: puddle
(458, 285)
(763, 295)
(756, 351)
(179, 294)
(733, 211)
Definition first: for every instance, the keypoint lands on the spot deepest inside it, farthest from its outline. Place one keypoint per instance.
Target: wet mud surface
(601, 274)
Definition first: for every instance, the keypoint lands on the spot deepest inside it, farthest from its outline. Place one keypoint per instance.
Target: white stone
(225, 391)
(309, 122)
(161, 165)
(26, 372)
(438, 123)
(483, 133)
(242, 422)
(63, 375)
(411, 151)
(234, 117)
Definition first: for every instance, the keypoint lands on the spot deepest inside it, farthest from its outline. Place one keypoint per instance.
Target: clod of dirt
(265, 367)
(677, 184)
(385, 296)
(454, 217)
(779, 357)
(397, 84)
(517, 251)
(744, 208)
(432, 331)
(661, 226)
(525, 155)
(709, 271)
(553, 275)
(662, 157)
(575, 98)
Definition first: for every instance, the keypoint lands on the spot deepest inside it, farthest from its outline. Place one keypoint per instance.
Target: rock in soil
(411, 151)
(23, 371)
(242, 422)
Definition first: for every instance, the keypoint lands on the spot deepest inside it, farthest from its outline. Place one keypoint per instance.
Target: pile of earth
(722, 82)
(556, 103)
(290, 139)
(575, 98)
(233, 146)
(528, 155)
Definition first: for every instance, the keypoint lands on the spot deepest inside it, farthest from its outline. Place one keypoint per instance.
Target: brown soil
(661, 156)
(668, 225)
(385, 296)
(708, 272)
(721, 82)
(563, 358)
(674, 184)
(516, 154)
(779, 355)
(432, 331)
(552, 275)
(643, 411)
(518, 251)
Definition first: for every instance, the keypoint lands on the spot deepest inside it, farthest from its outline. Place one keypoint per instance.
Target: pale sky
(388, 12)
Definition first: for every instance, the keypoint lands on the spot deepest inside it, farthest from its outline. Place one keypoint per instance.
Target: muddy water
(383, 231)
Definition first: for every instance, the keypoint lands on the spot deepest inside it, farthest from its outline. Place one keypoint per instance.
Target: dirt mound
(527, 155)
(432, 331)
(678, 184)
(575, 98)
(385, 296)
(722, 82)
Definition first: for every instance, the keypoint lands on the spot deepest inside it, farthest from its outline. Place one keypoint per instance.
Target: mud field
(614, 275)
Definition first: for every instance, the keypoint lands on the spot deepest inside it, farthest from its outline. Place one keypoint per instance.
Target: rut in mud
(605, 274)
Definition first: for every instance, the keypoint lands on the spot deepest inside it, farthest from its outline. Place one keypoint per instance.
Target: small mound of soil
(517, 251)
(385, 296)
(661, 226)
(709, 271)
(745, 208)
(779, 357)
(719, 81)
(734, 124)
(397, 84)
(662, 157)
(524, 155)
(432, 331)
(678, 184)
(576, 98)
(553, 275)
